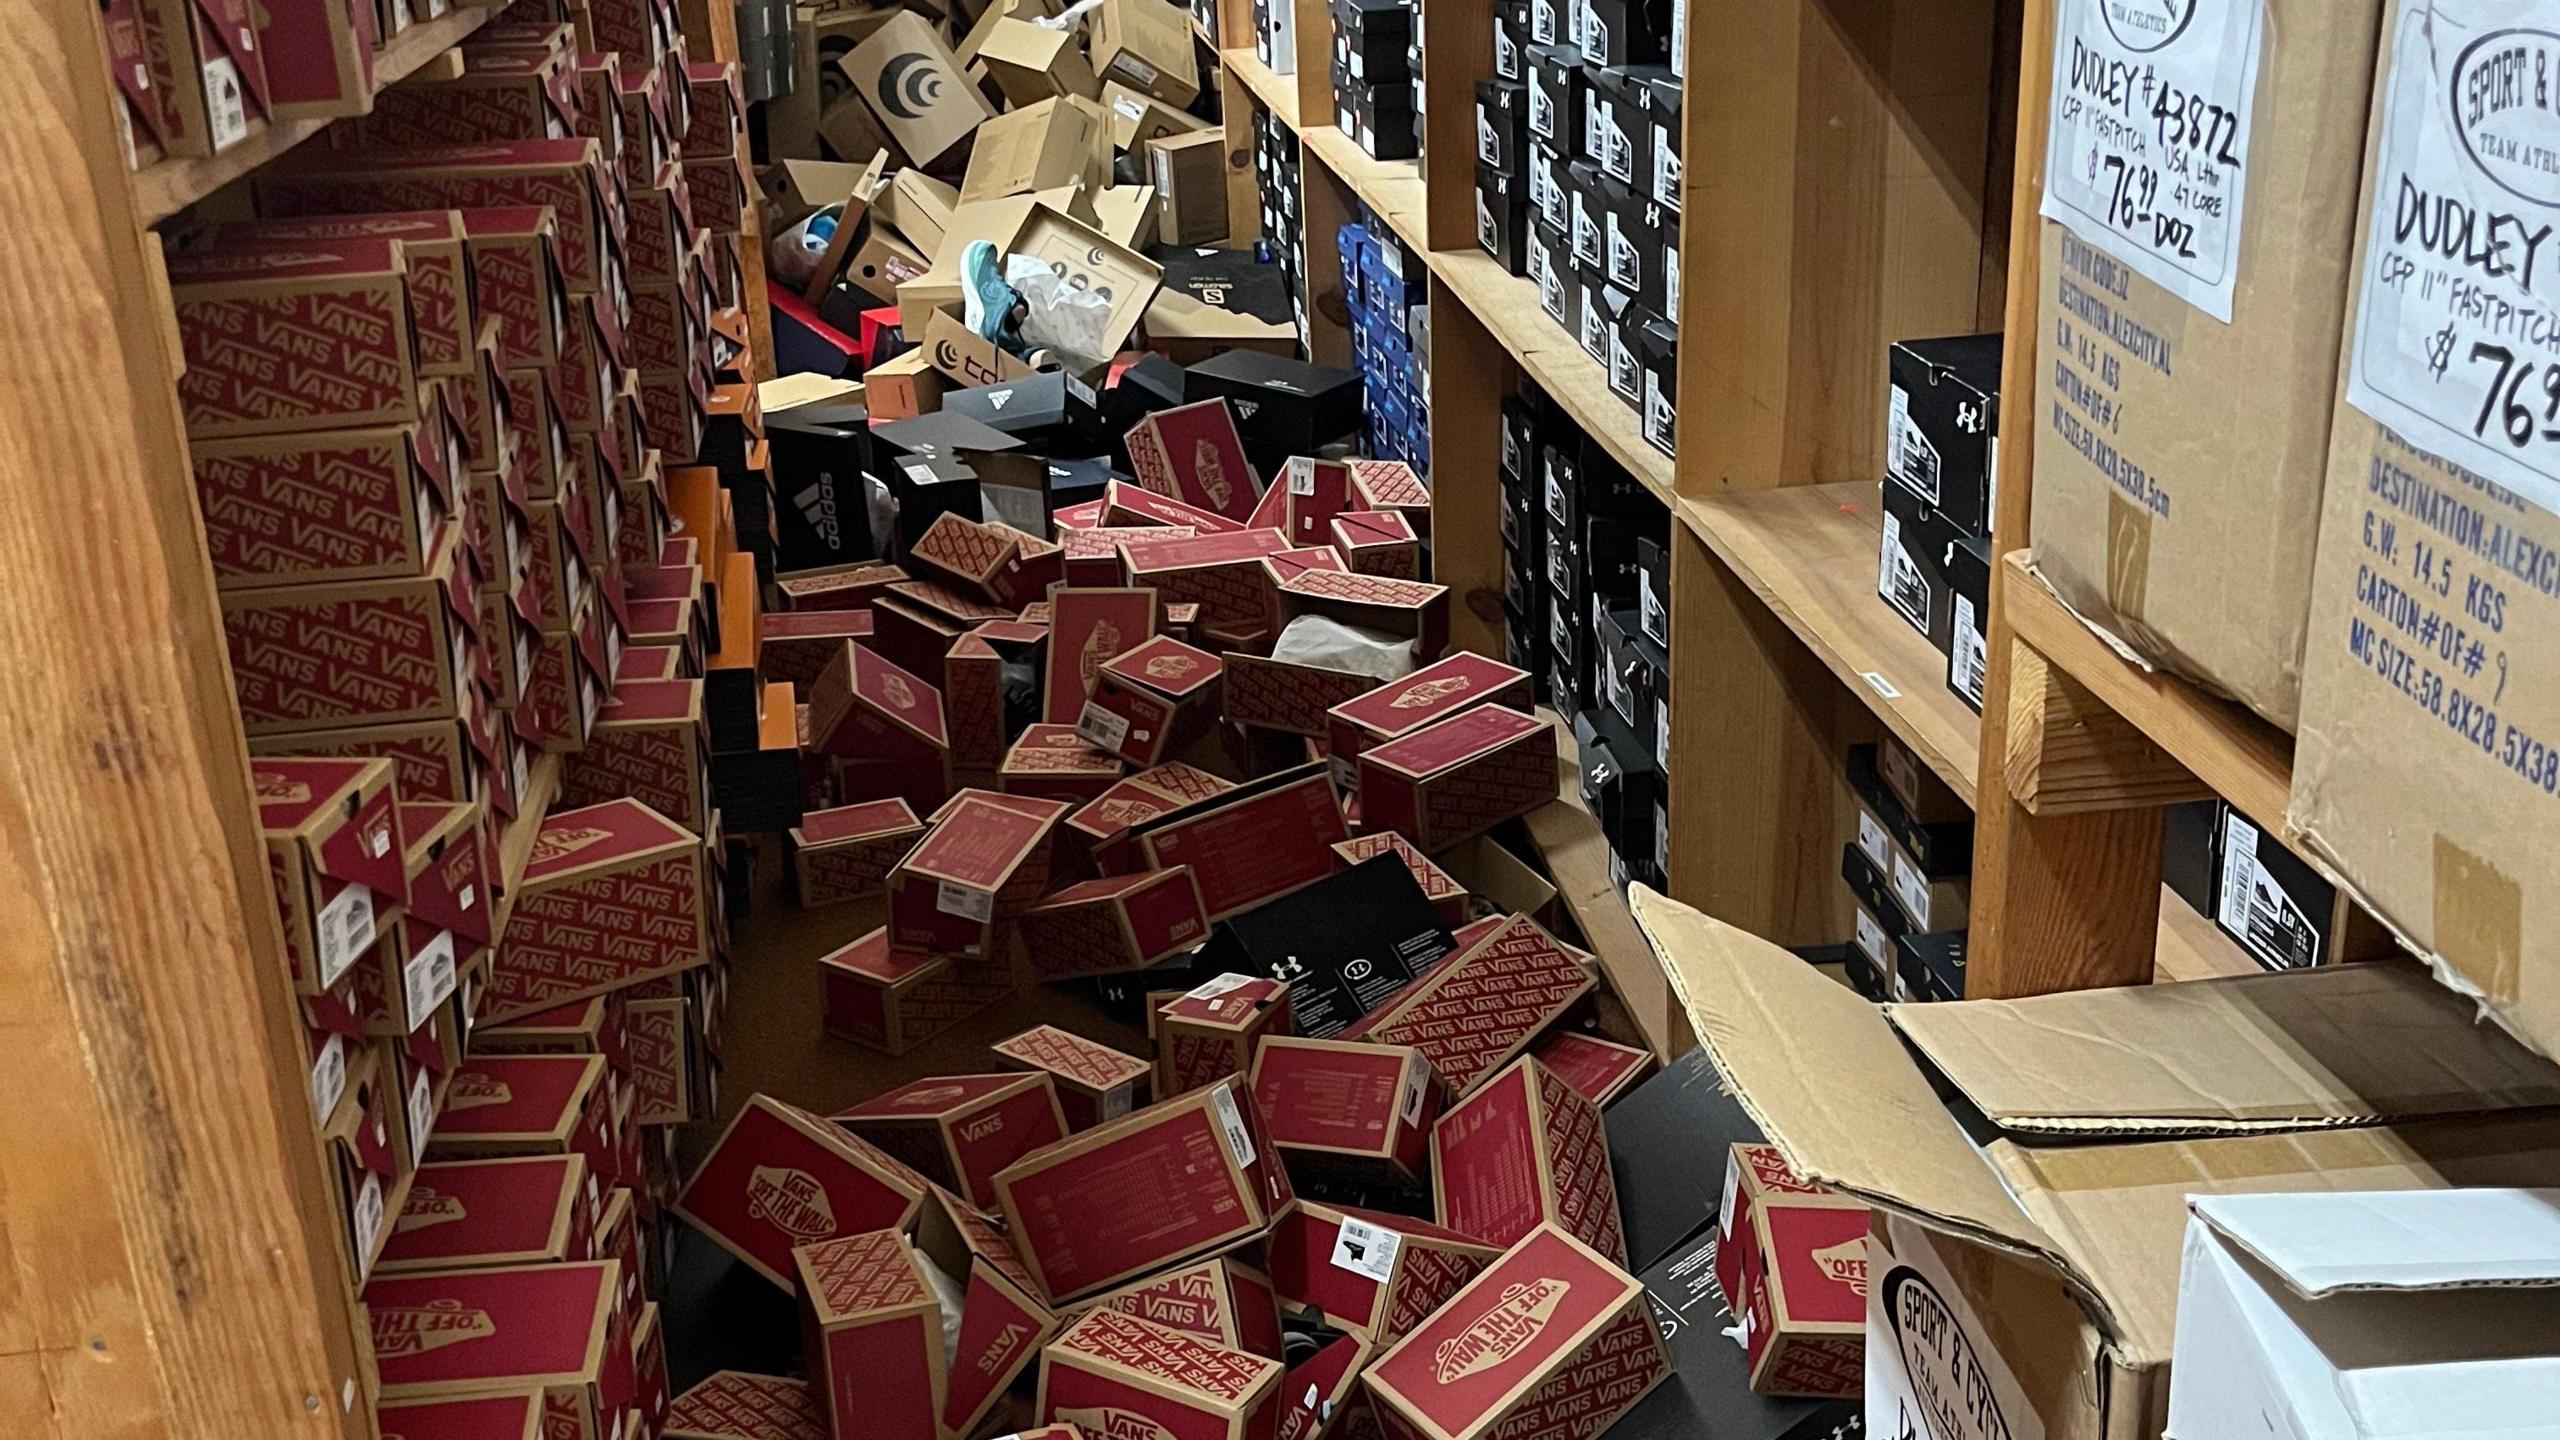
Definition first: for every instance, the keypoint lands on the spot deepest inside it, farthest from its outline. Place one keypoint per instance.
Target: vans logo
(275, 789)
(791, 1201)
(1518, 1317)
(1113, 1423)
(1002, 1347)
(418, 1329)
(897, 692)
(930, 1095)
(558, 842)
(1211, 474)
(1171, 667)
(1845, 1264)
(428, 1208)
(476, 1089)
(1423, 692)
(982, 1127)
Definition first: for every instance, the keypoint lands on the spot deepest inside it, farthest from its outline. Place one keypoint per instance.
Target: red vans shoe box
(1202, 1159)
(1099, 829)
(981, 864)
(846, 853)
(1372, 1273)
(472, 1214)
(500, 1105)
(278, 338)
(1214, 1031)
(1359, 1110)
(1252, 845)
(780, 1177)
(894, 1000)
(613, 894)
(1484, 1005)
(873, 1336)
(323, 506)
(1114, 925)
(1460, 777)
(470, 1333)
(1429, 695)
(1525, 1124)
(1151, 701)
(652, 744)
(1552, 1340)
(362, 652)
(1114, 1374)
(1220, 1301)
(960, 1130)
(1791, 1257)
(336, 857)
(1094, 1083)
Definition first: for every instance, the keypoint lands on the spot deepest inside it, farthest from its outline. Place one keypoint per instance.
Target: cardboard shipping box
(1214, 1030)
(959, 1130)
(1552, 1340)
(1460, 777)
(1473, 1015)
(1211, 1180)
(780, 1177)
(334, 852)
(2181, 453)
(1218, 1301)
(907, 74)
(1372, 1273)
(2368, 1315)
(2066, 1225)
(1113, 925)
(2425, 770)
(1114, 1374)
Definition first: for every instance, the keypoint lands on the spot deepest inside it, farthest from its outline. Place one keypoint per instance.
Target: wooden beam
(1470, 373)
(1457, 50)
(169, 1260)
(2068, 753)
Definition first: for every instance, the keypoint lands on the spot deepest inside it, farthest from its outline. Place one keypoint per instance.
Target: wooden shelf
(168, 186)
(1504, 303)
(2243, 758)
(2192, 947)
(1809, 553)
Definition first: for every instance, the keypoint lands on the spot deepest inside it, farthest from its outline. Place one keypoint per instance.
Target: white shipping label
(226, 104)
(428, 980)
(422, 1110)
(1732, 1196)
(966, 901)
(1409, 1108)
(1127, 108)
(1972, 654)
(1213, 988)
(1871, 939)
(1115, 1101)
(1872, 841)
(1931, 1369)
(1366, 1249)
(1662, 746)
(2255, 909)
(367, 1217)
(1912, 889)
(1302, 476)
(1899, 579)
(329, 1077)
(1223, 1101)
(1102, 727)
(2454, 344)
(347, 930)
(2149, 151)
(1136, 69)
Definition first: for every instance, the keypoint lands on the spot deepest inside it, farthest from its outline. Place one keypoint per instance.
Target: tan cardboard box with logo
(780, 1177)
(873, 1334)
(2189, 358)
(1146, 44)
(1190, 175)
(2427, 766)
(1041, 146)
(467, 1214)
(912, 81)
(1213, 1031)
(959, 1130)
(2066, 1227)
(734, 1405)
(1094, 1082)
(1115, 1375)
(466, 1333)
(1031, 63)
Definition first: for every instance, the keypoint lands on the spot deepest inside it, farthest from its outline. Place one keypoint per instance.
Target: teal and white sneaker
(986, 300)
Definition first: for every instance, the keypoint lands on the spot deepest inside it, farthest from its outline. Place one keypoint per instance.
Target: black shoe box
(1551, 268)
(1662, 98)
(1969, 646)
(942, 435)
(1381, 118)
(1911, 565)
(1502, 123)
(928, 489)
(1653, 590)
(1626, 32)
(1550, 22)
(1628, 785)
(1524, 647)
(820, 453)
(1657, 347)
(1668, 1141)
(1631, 228)
(1511, 40)
(1371, 37)
(1580, 479)
(1502, 218)
(1616, 636)
(2268, 899)
(1583, 204)
(1523, 575)
(1345, 944)
(1945, 413)
(1547, 199)
(1231, 280)
(1621, 127)
(1051, 412)
(1558, 93)
(1568, 667)
(1626, 377)
(1521, 422)
(1283, 407)
(1929, 968)
(1604, 309)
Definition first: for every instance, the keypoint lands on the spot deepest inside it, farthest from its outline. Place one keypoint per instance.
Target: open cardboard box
(2048, 1254)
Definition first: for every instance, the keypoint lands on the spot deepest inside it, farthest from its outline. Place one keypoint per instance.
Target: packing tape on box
(2479, 921)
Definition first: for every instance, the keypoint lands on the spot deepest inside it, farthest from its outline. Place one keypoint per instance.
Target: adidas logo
(1245, 408)
(1000, 399)
(818, 506)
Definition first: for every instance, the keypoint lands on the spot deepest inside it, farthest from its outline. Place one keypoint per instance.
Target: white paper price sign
(2149, 151)
(2457, 338)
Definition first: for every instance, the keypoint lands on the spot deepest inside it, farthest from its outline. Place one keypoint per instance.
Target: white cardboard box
(2402, 1314)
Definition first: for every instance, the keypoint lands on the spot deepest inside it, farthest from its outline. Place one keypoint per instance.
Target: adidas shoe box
(1282, 407)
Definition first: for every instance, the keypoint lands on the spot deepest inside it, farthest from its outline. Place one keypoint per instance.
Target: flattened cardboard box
(1552, 1340)
(2095, 1291)
(1476, 1012)
(959, 1130)
(1208, 1170)
(307, 336)
(734, 1405)
(1219, 1301)
(470, 1214)
(873, 1335)
(1114, 1374)
(1372, 1273)
(892, 1001)
(1525, 1123)
(1365, 1110)
(780, 1178)
(1113, 925)
(1094, 1082)
(470, 1333)
(1460, 777)
(613, 894)
(1213, 1032)
(846, 853)
(335, 856)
